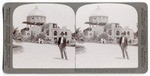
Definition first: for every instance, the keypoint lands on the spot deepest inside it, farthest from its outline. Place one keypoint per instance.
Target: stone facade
(104, 31)
(38, 28)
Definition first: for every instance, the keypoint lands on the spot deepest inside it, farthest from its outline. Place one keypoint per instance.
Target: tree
(94, 38)
(78, 35)
(104, 36)
(16, 34)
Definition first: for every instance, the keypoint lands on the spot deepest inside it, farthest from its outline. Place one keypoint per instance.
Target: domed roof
(98, 12)
(36, 12)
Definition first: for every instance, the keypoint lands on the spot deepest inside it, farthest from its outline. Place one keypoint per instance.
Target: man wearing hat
(62, 46)
(123, 42)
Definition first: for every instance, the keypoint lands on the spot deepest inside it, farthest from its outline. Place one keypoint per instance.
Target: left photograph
(43, 36)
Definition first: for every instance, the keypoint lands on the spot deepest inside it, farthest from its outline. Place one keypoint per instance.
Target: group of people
(123, 43)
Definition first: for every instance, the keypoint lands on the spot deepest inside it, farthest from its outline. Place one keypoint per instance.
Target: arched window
(55, 33)
(47, 32)
(109, 32)
(54, 25)
(128, 33)
(117, 33)
(116, 26)
(62, 33)
(124, 33)
(65, 33)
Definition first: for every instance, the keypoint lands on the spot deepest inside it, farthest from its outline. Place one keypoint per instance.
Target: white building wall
(36, 29)
(116, 31)
(90, 34)
(52, 29)
(27, 34)
(98, 19)
(130, 36)
(36, 19)
(98, 30)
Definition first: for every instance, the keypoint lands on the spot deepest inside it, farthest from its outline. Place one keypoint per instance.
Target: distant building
(37, 26)
(52, 32)
(129, 34)
(98, 18)
(97, 22)
(114, 31)
(98, 26)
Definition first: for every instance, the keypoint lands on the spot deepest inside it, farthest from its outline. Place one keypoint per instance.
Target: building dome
(36, 16)
(98, 17)
(98, 12)
(36, 12)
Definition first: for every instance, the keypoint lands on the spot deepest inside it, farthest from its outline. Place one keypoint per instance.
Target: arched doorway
(118, 33)
(66, 33)
(55, 33)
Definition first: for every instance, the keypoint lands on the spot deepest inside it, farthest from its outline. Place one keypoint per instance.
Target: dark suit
(62, 47)
(64, 41)
(125, 42)
(123, 45)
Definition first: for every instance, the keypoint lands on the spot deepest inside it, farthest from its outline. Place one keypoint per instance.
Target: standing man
(123, 42)
(62, 46)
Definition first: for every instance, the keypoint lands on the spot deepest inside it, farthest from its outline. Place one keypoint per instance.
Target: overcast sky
(124, 14)
(63, 15)
(55, 13)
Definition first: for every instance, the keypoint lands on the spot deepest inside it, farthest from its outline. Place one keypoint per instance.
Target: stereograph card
(75, 37)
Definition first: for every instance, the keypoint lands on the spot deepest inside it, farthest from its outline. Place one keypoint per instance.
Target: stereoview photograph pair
(75, 38)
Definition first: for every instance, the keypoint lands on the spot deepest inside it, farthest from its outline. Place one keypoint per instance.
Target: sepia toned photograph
(94, 36)
(42, 36)
(75, 37)
(107, 36)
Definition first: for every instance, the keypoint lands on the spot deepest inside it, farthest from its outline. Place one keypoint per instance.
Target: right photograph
(107, 36)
